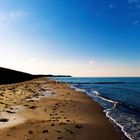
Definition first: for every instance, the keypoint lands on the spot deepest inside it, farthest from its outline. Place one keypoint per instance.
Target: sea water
(119, 97)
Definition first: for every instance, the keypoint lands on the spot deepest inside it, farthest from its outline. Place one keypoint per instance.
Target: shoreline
(116, 125)
(67, 114)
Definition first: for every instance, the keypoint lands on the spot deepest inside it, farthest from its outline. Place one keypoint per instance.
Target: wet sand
(49, 110)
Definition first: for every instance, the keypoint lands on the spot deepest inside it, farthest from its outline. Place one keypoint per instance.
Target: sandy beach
(42, 109)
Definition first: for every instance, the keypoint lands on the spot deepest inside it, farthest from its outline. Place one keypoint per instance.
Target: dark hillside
(8, 76)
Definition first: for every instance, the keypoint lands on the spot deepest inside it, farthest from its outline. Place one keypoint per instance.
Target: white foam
(78, 89)
(122, 128)
(107, 110)
(107, 114)
(98, 94)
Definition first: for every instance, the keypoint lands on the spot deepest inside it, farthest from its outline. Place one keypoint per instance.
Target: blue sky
(77, 37)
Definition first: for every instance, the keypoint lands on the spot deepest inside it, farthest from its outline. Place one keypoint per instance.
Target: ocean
(119, 98)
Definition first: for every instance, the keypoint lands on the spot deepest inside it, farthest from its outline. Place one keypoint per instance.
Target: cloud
(138, 6)
(14, 14)
(4, 16)
(133, 1)
(91, 62)
(136, 22)
(111, 6)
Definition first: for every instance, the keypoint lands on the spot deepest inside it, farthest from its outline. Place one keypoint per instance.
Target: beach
(43, 109)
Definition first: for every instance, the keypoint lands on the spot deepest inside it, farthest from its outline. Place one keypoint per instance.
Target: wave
(120, 103)
(113, 116)
(102, 96)
(115, 104)
(119, 125)
(107, 112)
(78, 89)
(94, 82)
(99, 95)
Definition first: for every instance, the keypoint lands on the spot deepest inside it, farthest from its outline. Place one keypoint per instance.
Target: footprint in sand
(10, 112)
(52, 124)
(58, 131)
(45, 131)
(26, 105)
(51, 114)
(4, 120)
(78, 126)
(71, 132)
(32, 107)
(45, 110)
(59, 137)
(61, 111)
(62, 123)
(30, 132)
(31, 122)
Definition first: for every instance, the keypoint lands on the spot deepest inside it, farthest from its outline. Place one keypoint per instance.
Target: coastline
(64, 114)
(117, 126)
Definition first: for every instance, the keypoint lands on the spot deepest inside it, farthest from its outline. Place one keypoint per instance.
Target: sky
(71, 37)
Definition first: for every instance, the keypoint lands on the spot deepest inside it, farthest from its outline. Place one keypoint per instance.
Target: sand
(43, 109)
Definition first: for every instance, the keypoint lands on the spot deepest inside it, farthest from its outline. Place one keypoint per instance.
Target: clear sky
(76, 37)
